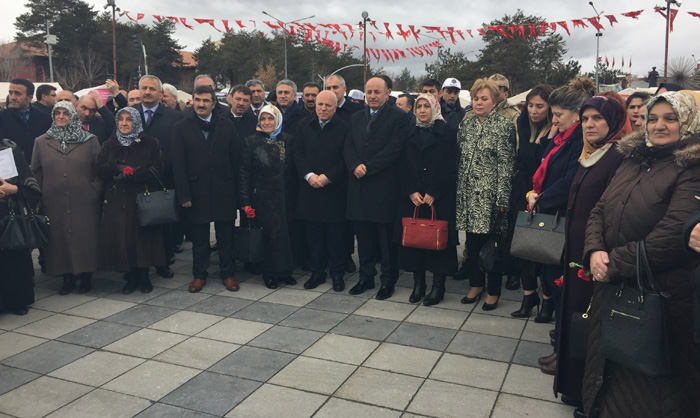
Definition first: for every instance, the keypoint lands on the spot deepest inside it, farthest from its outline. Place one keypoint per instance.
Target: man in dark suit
(20, 122)
(158, 121)
(372, 150)
(308, 97)
(45, 98)
(318, 155)
(292, 111)
(95, 116)
(241, 114)
(204, 162)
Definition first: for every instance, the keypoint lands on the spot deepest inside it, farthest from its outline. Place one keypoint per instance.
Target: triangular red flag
(521, 30)
(240, 24)
(607, 63)
(579, 22)
(402, 33)
(553, 25)
(543, 28)
(209, 21)
(173, 18)
(564, 25)
(533, 32)
(158, 18)
(184, 22)
(130, 18)
(388, 32)
(674, 12)
(271, 25)
(613, 64)
(694, 14)
(595, 22)
(630, 62)
(225, 22)
(633, 15)
(611, 19)
(623, 62)
(414, 31)
(500, 30)
(469, 31)
(481, 32)
(140, 16)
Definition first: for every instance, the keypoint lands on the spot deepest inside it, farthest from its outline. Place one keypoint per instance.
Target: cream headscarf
(434, 105)
(685, 108)
(275, 112)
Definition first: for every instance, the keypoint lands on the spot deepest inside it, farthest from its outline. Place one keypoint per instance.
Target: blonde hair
(485, 83)
(574, 95)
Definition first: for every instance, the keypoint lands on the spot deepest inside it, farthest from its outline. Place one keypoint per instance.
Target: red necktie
(257, 112)
(85, 127)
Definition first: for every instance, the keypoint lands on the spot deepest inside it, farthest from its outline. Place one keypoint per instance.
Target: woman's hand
(6, 188)
(428, 199)
(599, 266)
(502, 209)
(694, 242)
(416, 198)
(531, 199)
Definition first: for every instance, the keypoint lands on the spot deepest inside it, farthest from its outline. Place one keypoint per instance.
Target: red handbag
(428, 234)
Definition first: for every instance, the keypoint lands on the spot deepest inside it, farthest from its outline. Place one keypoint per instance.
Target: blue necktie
(149, 115)
(25, 115)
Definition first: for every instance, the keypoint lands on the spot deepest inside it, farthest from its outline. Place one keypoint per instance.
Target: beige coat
(71, 201)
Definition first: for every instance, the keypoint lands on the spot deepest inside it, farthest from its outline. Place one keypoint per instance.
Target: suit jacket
(102, 125)
(161, 127)
(348, 109)
(321, 151)
(245, 125)
(292, 118)
(219, 110)
(23, 133)
(45, 109)
(205, 169)
(373, 197)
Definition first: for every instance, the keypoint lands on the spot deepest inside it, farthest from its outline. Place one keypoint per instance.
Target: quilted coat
(650, 197)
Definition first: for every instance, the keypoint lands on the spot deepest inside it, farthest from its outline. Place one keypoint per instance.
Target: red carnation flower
(128, 171)
(250, 213)
(584, 275)
(559, 282)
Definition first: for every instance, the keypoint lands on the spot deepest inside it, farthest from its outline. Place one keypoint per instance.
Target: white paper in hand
(8, 169)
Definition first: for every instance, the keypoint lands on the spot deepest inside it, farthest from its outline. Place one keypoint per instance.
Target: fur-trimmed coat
(649, 198)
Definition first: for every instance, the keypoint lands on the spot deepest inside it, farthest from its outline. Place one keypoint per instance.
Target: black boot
(513, 283)
(131, 282)
(529, 301)
(418, 287)
(145, 281)
(85, 282)
(546, 312)
(68, 284)
(437, 293)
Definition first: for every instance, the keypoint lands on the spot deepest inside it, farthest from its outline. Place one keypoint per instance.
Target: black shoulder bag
(158, 207)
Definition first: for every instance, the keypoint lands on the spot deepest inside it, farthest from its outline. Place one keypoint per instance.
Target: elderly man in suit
(158, 121)
(372, 150)
(205, 166)
(95, 116)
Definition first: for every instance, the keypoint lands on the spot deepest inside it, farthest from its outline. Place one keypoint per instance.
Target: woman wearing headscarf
(124, 165)
(16, 266)
(427, 182)
(63, 163)
(604, 121)
(650, 197)
(268, 183)
(486, 142)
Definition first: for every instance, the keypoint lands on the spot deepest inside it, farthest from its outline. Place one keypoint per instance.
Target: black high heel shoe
(546, 311)
(467, 300)
(529, 301)
(490, 306)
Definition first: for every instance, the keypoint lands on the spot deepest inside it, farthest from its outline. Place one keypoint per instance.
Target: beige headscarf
(434, 105)
(685, 108)
(275, 112)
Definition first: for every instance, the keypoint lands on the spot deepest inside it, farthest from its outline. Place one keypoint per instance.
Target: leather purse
(23, 228)
(538, 237)
(634, 328)
(428, 234)
(578, 334)
(158, 207)
(491, 253)
(249, 242)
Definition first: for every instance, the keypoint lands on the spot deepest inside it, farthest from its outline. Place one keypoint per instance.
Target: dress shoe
(20, 311)
(461, 274)
(385, 291)
(145, 283)
(178, 249)
(196, 285)
(289, 280)
(361, 287)
(437, 293)
(338, 284)
(350, 266)
(547, 359)
(549, 368)
(130, 286)
(529, 301)
(513, 283)
(546, 312)
(231, 284)
(314, 281)
(467, 300)
(579, 413)
(270, 282)
(165, 272)
(85, 282)
(490, 306)
(552, 333)
(68, 284)
(571, 402)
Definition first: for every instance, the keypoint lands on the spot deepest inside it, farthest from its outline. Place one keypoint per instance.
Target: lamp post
(668, 27)
(598, 34)
(335, 72)
(50, 41)
(285, 35)
(113, 5)
(365, 19)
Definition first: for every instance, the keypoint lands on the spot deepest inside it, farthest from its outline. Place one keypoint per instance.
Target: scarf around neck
(561, 139)
(73, 133)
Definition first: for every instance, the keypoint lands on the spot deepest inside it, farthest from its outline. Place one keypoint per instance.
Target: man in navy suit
(20, 122)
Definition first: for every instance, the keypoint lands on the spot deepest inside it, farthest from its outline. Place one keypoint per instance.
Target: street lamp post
(285, 35)
(113, 5)
(598, 34)
(50, 41)
(668, 27)
(365, 19)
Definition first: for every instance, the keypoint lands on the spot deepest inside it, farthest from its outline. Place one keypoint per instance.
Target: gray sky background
(641, 39)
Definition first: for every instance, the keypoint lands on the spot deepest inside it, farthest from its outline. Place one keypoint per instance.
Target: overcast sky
(641, 39)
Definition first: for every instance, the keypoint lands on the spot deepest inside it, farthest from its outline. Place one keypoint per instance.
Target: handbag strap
(155, 174)
(415, 214)
(643, 268)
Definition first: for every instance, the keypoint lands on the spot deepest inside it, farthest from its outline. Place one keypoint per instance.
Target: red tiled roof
(6, 48)
(188, 59)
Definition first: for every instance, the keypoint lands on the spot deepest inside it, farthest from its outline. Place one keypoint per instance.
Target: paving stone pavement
(261, 353)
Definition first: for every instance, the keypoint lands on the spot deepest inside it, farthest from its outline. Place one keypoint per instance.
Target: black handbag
(158, 207)
(634, 329)
(538, 237)
(491, 257)
(248, 242)
(578, 334)
(23, 228)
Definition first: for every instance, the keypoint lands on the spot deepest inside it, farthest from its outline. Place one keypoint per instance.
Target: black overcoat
(245, 125)
(348, 109)
(425, 169)
(161, 127)
(103, 124)
(268, 183)
(292, 117)
(373, 197)
(123, 243)
(205, 169)
(321, 151)
(561, 169)
(24, 133)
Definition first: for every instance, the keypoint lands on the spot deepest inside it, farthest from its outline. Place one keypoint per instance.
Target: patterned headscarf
(136, 130)
(434, 105)
(275, 112)
(614, 114)
(72, 133)
(685, 108)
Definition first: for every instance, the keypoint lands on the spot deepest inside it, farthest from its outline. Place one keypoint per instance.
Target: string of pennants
(607, 62)
(320, 32)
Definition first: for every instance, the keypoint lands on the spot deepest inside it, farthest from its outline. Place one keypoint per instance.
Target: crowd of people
(330, 169)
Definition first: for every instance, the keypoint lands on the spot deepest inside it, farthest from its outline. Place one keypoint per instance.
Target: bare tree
(267, 74)
(12, 60)
(82, 71)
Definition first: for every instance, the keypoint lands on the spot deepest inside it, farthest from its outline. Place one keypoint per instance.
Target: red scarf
(541, 172)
